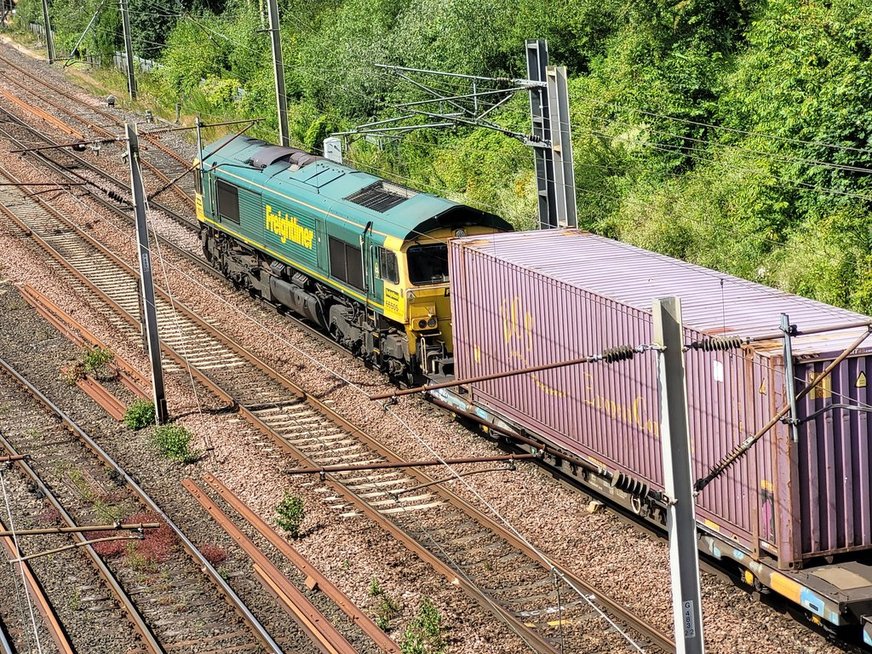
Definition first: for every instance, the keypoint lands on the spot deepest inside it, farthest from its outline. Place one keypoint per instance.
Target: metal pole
(390, 465)
(85, 33)
(49, 39)
(149, 314)
(537, 62)
(278, 70)
(789, 379)
(199, 141)
(135, 526)
(678, 479)
(128, 48)
(562, 159)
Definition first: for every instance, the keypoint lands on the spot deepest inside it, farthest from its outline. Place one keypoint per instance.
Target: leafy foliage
(290, 514)
(733, 133)
(139, 414)
(97, 361)
(424, 633)
(174, 442)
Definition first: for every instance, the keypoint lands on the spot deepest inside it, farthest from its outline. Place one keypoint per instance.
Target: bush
(110, 548)
(424, 633)
(139, 414)
(174, 442)
(388, 608)
(156, 544)
(290, 513)
(96, 361)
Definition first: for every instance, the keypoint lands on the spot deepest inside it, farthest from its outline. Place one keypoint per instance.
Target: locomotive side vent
(380, 196)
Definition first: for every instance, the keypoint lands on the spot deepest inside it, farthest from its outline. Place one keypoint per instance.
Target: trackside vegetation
(731, 133)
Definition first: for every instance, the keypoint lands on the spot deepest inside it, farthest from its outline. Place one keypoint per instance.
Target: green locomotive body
(355, 254)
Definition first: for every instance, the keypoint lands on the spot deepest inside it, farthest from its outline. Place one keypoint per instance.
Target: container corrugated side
(507, 317)
(835, 451)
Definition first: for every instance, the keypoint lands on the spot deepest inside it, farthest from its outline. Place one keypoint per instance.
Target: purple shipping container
(532, 298)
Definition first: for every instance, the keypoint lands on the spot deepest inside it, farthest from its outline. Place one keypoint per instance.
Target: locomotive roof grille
(380, 196)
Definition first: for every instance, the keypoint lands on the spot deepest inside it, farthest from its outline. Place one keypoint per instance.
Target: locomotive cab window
(428, 264)
(345, 263)
(228, 201)
(388, 269)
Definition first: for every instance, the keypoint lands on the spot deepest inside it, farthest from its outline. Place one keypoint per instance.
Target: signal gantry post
(149, 312)
(49, 37)
(278, 71)
(549, 110)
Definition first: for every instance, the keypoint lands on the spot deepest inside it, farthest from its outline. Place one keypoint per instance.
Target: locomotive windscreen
(428, 264)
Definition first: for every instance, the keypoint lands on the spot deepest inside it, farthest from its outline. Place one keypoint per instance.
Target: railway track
(36, 620)
(163, 168)
(546, 605)
(123, 211)
(114, 193)
(170, 602)
(312, 601)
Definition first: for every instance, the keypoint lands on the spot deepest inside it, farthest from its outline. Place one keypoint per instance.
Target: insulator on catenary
(717, 344)
(629, 485)
(115, 196)
(615, 354)
(725, 464)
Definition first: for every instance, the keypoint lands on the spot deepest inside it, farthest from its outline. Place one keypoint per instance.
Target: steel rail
(110, 116)
(319, 629)
(136, 619)
(122, 213)
(102, 396)
(132, 379)
(236, 603)
(370, 628)
(323, 470)
(82, 163)
(71, 327)
(33, 587)
(5, 644)
(530, 635)
(96, 128)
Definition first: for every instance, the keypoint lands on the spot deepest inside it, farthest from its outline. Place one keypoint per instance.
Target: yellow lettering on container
(287, 228)
(823, 390)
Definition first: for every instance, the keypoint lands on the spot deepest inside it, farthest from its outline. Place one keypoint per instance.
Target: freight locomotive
(360, 257)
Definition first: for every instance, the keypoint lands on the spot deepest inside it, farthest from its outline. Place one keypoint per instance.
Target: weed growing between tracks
(424, 633)
(139, 414)
(215, 554)
(290, 514)
(97, 361)
(174, 442)
(387, 608)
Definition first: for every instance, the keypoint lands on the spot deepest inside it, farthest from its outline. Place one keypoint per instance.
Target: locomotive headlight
(410, 296)
(459, 233)
(422, 324)
(432, 321)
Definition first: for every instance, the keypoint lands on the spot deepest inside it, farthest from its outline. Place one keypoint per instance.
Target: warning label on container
(861, 380)
(688, 619)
